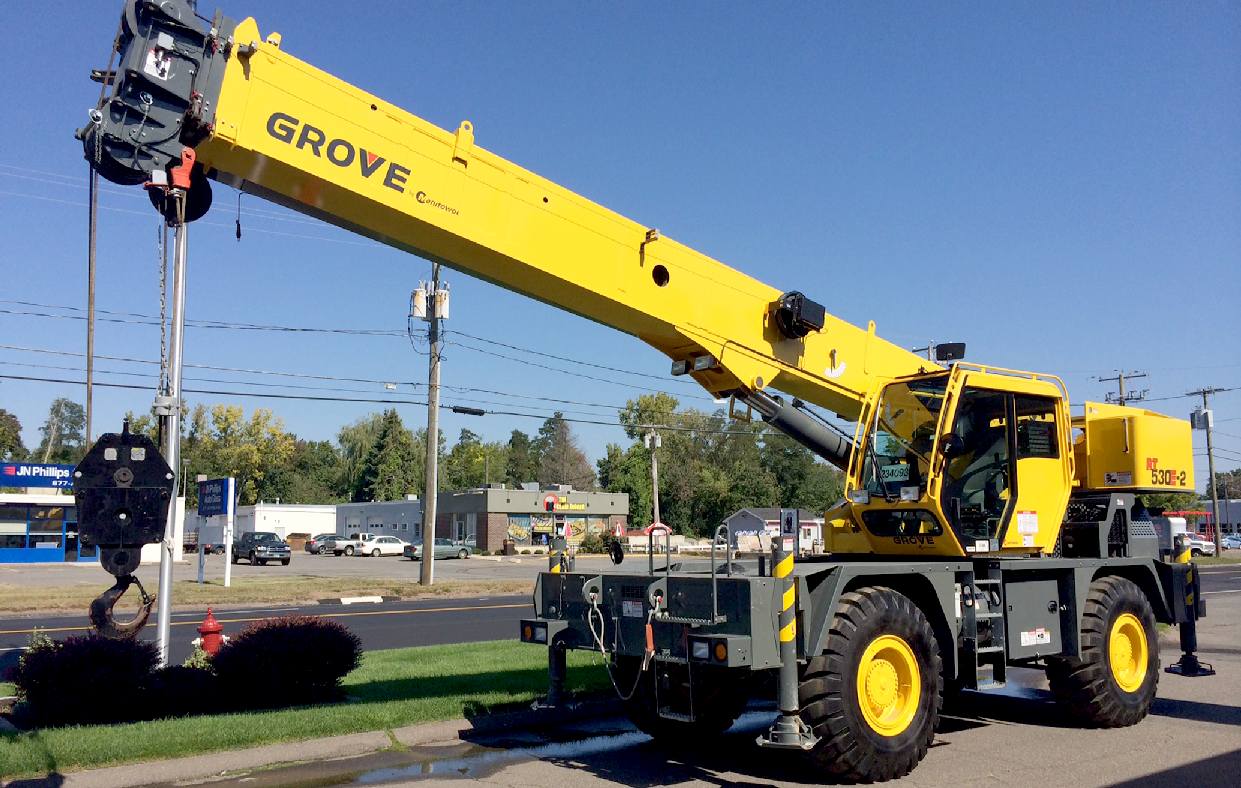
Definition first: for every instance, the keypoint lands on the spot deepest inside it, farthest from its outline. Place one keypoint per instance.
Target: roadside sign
(214, 498)
(33, 474)
(789, 519)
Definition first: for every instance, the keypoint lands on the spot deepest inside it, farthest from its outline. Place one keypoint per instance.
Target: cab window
(1036, 428)
(898, 449)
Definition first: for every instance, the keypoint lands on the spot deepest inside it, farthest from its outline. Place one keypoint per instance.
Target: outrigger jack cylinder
(789, 731)
(122, 490)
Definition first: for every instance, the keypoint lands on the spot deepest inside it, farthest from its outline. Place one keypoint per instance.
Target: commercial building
(43, 528)
(765, 521)
(402, 519)
(485, 517)
(282, 519)
(1229, 515)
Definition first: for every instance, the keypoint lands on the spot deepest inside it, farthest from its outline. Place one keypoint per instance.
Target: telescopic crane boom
(265, 122)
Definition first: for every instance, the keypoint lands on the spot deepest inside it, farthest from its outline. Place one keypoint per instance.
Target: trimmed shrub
(597, 543)
(178, 690)
(83, 680)
(198, 659)
(286, 661)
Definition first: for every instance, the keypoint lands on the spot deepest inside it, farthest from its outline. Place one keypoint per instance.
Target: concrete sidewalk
(218, 765)
(198, 767)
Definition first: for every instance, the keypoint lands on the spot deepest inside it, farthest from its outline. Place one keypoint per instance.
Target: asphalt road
(1012, 737)
(89, 575)
(380, 626)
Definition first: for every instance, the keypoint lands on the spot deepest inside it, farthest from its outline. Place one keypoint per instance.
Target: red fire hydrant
(210, 636)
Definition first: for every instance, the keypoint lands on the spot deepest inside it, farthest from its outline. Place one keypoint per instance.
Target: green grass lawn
(6, 690)
(391, 688)
(1229, 557)
(285, 589)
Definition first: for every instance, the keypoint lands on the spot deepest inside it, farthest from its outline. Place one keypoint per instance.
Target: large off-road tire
(873, 697)
(720, 696)
(1113, 683)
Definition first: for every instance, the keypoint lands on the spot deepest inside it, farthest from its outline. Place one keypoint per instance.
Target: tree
(522, 464)
(561, 461)
(804, 481)
(1227, 484)
(62, 441)
(629, 471)
(223, 442)
(355, 442)
(310, 476)
(472, 463)
(388, 473)
(11, 446)
(463, 465)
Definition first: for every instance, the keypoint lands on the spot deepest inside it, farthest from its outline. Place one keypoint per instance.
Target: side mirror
(951, 445)
(616, 553)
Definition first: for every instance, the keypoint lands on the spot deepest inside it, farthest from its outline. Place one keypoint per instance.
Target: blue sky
(1059, 185)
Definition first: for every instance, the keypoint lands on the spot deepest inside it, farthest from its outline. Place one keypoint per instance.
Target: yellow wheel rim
(1127, 652)
(889, 687)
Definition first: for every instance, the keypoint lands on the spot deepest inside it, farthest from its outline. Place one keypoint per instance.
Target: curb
(218, 764)
(358, 600)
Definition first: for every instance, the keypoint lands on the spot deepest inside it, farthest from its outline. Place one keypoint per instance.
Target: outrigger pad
(122, 489)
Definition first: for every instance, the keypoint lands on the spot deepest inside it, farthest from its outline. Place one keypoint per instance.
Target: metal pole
(90, 304)
(1211, 467)
(228, 532)
(427, 576)
(652, 440)
(171, 422)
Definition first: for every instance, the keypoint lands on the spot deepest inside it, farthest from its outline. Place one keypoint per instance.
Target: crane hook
(101, 610)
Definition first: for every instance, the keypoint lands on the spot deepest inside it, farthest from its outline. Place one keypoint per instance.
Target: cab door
(1042, 486)
(979, 476)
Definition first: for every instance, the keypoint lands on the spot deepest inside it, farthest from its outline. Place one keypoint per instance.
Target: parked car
(1200, 545)
(1231, 542)
(316, 544)
(384, 545)
(351, 544)
(444, 548)
(259, 547)
(190, 545)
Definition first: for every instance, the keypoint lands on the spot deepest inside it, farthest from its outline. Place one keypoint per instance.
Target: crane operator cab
(971, 460)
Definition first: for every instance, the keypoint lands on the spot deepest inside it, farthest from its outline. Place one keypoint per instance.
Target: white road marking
(1231, 591)
(354, 600)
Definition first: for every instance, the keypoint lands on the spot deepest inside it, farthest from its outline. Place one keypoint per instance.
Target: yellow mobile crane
(983, 526)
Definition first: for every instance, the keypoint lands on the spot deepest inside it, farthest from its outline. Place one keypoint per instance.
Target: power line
(145, 319)
(1123, 397)
(65, 368)
(567, 371)
(203, 222)
(545, 354)
(762, 432)
(335, 378)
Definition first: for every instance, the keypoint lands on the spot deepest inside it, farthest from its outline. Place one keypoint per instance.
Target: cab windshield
(898, 448)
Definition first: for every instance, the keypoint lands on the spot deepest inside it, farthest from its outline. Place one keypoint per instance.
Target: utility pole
(653, 442)
(1122, 397)
(431, 304)
(1202, 419)
(168, 407)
